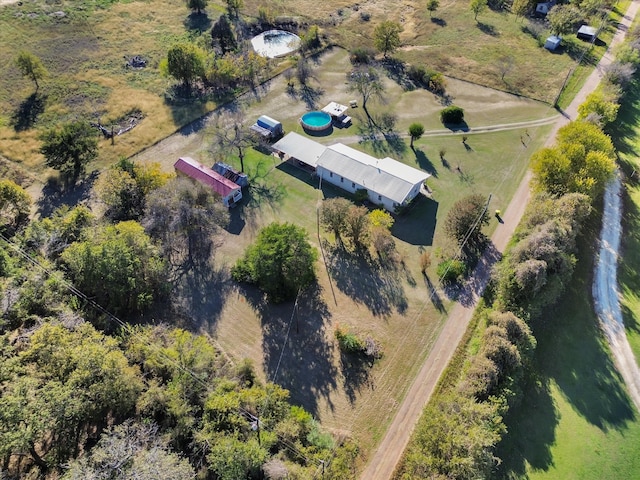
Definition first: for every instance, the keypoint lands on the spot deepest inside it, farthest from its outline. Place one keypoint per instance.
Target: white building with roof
(388, 183)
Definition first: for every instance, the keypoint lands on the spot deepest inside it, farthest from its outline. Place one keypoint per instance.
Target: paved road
(385, 459)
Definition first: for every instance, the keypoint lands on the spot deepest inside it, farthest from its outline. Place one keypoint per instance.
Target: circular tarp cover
(275, 43)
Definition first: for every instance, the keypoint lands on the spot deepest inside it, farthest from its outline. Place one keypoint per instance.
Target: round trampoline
(275, 43)
(316, 121)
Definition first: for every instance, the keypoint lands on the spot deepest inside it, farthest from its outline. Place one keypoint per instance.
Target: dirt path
(605, 290)
(384, 461)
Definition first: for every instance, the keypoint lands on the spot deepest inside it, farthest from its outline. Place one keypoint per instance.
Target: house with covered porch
(388, 183)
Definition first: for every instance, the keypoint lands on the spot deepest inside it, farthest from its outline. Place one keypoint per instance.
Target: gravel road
(384, 461)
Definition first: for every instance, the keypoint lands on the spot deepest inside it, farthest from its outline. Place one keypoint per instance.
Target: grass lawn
(626, 135)
(390, 304)
(84, 49)
(577, 422)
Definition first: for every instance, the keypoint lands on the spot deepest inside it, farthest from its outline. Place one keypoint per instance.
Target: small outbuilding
(585, 32)
(268, 128)
(552, 43)
(230, 192)
(543, 8)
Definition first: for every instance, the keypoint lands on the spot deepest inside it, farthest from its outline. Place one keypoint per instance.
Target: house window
(353, 184)
(379, 197)
(341, 179)
(331, 174)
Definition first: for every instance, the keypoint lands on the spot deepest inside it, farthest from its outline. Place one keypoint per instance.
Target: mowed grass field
(391, 304)
(83, 44)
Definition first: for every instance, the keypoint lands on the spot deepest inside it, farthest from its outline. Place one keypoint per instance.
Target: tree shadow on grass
(198, 22)
(624, 134)
(425, 163)
(530, 434)
(434, 296)
(55, 196)
(488, 29)
(200, 294)
(366, 281)
(628, 277)
(417, 225)
(28, 111)
(303, 362)
(310, 96)
(356, 369)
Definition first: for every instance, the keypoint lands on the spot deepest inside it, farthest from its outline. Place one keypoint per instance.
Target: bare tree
(367, 83)
(504, 65)
(231, 134)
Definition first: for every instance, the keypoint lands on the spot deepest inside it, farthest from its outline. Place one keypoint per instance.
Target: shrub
(451, 270)
(365, 16)
(361, 56)
(452, 114)
(349, 342)
(437, 83)
(361, 195)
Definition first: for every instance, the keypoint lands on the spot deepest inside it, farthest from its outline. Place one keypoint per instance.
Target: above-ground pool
(316, 121)
(275, 43)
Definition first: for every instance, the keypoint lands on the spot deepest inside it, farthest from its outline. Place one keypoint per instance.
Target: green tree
(50, 236)
(416, 130)
(31, 66)
(124, 187)
(432, 6)
(583, 161)
(598, 108)
(197, 5)
(234, 7)
(452, 114)
(380, 218)
(70, 148)
(454, 438)
(563, 18)
(333, 216)
(386, 36)
(465, 220)
(15, 204)
(477, 7)
(185, 62)
(280, 262)
(119, 267)
(358, 226)
(520, 8)
(63, 382)
(231, 458)
(222, 35)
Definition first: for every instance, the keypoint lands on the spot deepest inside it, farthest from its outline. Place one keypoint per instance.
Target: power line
(73, 289)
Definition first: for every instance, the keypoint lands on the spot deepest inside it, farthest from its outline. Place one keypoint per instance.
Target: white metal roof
(335, 109)
(300, 148)
(384, 176)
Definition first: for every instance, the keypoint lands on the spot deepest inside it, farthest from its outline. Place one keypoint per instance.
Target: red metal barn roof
(205, 175)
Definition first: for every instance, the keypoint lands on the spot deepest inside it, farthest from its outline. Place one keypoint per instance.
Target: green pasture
(626, 135)
(576, 420)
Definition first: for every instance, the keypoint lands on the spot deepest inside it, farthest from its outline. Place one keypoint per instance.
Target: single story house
(585, 32)
(267, 127)
(388, 183)
(230, 192)
(552, 43)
